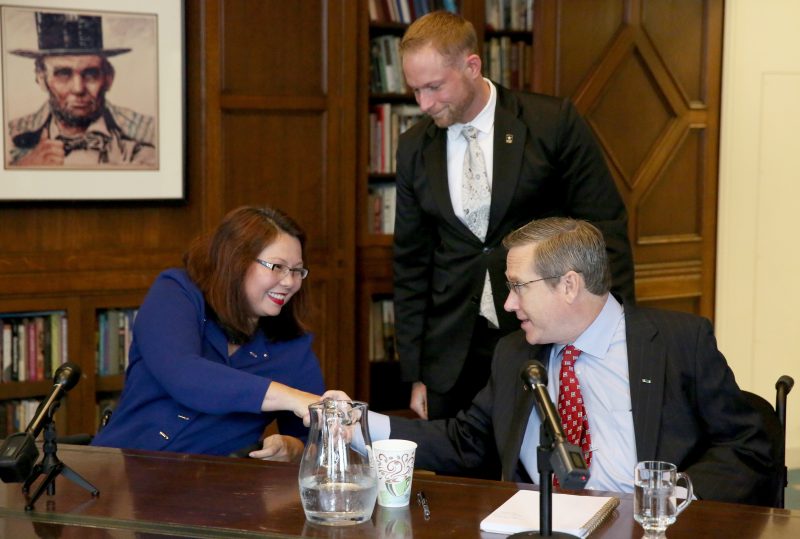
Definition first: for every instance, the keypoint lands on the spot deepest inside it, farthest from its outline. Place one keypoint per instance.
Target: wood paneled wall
(646, 74)
(276, 112)
(270, 116)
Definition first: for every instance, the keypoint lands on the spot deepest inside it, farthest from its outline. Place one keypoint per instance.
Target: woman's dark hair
(218, 262)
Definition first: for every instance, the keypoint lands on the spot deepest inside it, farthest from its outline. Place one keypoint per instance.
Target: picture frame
(92, 100)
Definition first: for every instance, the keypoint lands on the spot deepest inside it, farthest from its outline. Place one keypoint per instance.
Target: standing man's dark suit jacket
(690, 413)
(546, 163)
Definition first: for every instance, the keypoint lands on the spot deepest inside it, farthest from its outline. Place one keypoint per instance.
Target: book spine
(101, 348)
(15, 351)
(55, 342)
(42, 348)
(6, 363)
(64, 339)
(22, 360)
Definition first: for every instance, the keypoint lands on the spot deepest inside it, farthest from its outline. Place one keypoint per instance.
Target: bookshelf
(377, 381)
(79, 409)
(107, 385)
(508, 43)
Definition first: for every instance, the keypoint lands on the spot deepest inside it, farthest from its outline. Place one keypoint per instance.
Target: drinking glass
(654, 503)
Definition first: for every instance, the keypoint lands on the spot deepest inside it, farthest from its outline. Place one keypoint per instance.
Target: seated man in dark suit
(653, 384)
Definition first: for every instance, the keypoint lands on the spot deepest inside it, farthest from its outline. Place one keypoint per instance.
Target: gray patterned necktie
(476, 198)
(476, 194)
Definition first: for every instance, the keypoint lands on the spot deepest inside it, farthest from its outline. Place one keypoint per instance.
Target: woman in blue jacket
(219, 350)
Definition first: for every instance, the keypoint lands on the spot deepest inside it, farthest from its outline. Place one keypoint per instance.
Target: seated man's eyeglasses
(283, 270)
(517, 287)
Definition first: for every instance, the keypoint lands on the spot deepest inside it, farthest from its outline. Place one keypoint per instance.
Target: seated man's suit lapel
(646, 367)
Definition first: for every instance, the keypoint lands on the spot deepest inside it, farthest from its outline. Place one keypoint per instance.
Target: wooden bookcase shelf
(25, 390)
(109, 384)
(79, 408)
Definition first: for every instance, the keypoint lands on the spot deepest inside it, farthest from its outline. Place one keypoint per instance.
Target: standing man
(77, 127)
(486, 161)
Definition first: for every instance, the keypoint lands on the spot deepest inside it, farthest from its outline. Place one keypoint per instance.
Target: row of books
(508, 63)
(405, 11)
(33, 345)
(501, 15)
(114, 334)
(16, 414)
(515, 15)
(386, 123)
(381, 211)
(504, 61)
(382, 342)
(386, 71)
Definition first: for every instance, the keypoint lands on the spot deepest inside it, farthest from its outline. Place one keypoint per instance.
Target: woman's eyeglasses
(283, 270)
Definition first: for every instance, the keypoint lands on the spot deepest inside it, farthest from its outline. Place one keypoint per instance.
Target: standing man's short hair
(451, 35)
(564, 244)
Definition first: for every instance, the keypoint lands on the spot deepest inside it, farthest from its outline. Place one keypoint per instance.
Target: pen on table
(423, 501)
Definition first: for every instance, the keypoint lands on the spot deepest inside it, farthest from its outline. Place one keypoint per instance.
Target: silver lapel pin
(509, 138)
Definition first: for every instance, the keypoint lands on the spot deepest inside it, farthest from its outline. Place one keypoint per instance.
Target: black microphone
(567, 458)
(18, 453)
(64, 379)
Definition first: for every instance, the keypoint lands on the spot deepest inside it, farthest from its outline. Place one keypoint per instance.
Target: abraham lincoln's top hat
(68, 34)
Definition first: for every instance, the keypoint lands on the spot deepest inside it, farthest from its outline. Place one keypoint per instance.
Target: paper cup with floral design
(394, 460)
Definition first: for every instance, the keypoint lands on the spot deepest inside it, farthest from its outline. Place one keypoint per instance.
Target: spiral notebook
(576, 515)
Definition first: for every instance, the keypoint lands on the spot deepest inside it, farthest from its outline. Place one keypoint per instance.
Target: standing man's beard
(81, 122)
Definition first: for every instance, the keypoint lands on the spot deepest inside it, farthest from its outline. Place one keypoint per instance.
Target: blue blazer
(183, 393)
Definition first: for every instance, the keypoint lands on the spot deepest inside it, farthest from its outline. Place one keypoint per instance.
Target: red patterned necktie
(570, 404)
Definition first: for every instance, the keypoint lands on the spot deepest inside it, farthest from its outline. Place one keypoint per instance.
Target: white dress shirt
(457, 147)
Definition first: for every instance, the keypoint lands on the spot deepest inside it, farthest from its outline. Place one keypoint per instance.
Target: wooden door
(646, 75)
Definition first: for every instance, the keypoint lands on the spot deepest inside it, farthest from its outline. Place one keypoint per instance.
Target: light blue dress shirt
(602, 371)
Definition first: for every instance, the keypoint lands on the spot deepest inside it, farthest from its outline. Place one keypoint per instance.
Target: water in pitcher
(338, 503)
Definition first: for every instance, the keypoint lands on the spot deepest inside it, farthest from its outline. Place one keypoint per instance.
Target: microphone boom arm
(566, 458)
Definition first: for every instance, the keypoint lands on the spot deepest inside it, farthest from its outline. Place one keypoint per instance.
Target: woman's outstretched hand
(280, 448)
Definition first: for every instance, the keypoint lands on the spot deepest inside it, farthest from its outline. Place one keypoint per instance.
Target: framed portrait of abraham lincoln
(92, 100)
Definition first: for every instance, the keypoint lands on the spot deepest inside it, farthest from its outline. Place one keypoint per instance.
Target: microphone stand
(51, 466)
(543, 455)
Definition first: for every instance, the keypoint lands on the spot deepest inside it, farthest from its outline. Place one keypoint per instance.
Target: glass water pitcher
(338, 483)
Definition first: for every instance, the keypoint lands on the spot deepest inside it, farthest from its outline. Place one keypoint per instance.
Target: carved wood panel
(646, 75)
(280, 110)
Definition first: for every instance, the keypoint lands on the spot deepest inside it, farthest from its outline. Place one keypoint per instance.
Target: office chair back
(775, 434)
(84, 438)
(782, 388)
(775, 426)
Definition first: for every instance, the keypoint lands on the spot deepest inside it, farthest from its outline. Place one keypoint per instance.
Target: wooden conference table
(155, 495)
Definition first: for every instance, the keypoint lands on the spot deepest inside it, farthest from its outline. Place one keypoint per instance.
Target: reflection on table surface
(148, 494)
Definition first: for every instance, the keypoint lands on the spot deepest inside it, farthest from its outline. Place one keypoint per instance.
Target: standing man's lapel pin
(509, 138)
